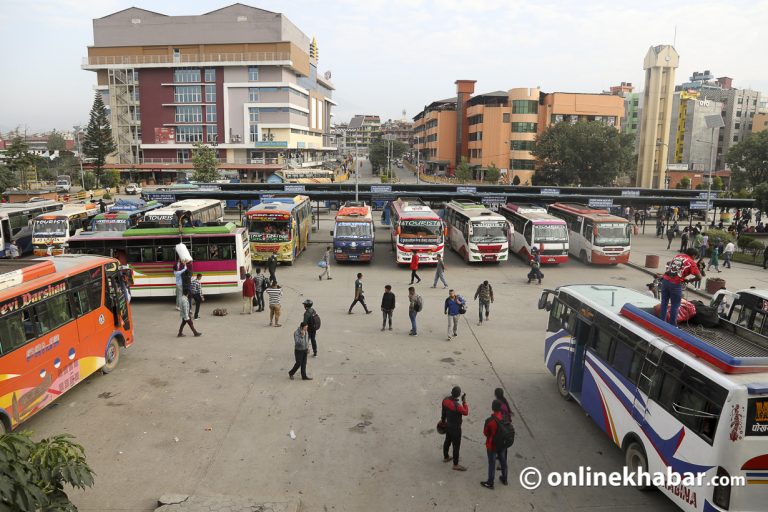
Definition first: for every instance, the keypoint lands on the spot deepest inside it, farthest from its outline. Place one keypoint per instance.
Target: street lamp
(713, 122)
(79, 153)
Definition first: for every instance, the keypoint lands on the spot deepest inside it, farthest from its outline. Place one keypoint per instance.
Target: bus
(534, 227)
(281, 225)
(51, 231)
(16, 225)
(61, 319)
(221, 253)
(594, 236)
(747, 308)
(684, 398)
(353, 233)
(476, 233)
(415, 227)
(195, 212)
(122, 215)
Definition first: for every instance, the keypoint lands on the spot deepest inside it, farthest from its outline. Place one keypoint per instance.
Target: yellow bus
(281, 225)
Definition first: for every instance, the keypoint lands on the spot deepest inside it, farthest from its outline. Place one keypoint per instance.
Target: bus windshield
(50, 227)
(612, 233)
(353, 230)
(550, 233)
(269, 231)
(489, 231)
(110, 224)
(420, 231)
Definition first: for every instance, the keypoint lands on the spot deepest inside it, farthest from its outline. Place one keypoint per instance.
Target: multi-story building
(241, 79)
(689, 138)
(435, 131)
(402, 131)
(488, 129)
(363, 130)
(630, 120)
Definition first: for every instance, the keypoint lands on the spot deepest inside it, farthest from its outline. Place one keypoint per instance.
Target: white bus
(476, 233)
(747, 308)
(690, 399)
(51, 231)
(594, 236)
(16, 222)
(534, 227)
(196, 213)
(415, 227)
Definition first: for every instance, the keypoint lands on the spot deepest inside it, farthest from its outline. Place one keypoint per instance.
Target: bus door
(648, 374)
(582, 332)
(115, 298)
(5, 229)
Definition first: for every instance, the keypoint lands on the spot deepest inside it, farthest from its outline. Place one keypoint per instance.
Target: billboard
(165, 135)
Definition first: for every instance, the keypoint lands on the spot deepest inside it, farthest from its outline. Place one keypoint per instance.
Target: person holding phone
(452, 411)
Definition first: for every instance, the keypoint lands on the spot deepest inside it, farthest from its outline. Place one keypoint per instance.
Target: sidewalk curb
(700, 293)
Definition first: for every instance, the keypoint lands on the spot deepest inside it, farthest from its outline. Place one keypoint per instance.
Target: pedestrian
(714, 258)
(659, 227)
(684, 240)
(178, 271)
(415, 305)
(359, 295)
(259, 284)
(670, 237)
(309, 319)
(677, 273)
(272, 266)
(535, 263)
(765, 259)
(249, 291)
(13, 250)
(440, 272)
(454, 306)
(196, 292)
(728, 254)
(637, 218)
(485, 293)
(300, 352)
(415, 267)
(494, 452)
(698, 239)
(701, 265)
(327, 264)
(451, 417)
(387, 307)
(275, 294)
(186, 319)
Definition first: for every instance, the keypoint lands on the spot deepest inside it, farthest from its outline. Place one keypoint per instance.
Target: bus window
(528, 232)
(758, 324)
(11, 333)
(95, 293)
(30, 332)
(622, 361)
(52, 313)
(744, 316)
(140, 255)
(226, 251)
(588, 227)
(200, 252)
(601, 343)
(165, 253)
(559, 317)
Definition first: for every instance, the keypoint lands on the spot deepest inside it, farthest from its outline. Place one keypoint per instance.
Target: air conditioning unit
(236, 138)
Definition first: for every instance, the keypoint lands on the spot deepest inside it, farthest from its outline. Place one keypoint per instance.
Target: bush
(89, 180)
(106, 195)
(744, 242)
(719, 234)
(756, 246)
(110, 178)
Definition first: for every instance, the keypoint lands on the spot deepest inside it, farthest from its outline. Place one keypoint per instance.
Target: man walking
(728, 254)
(184, 311)
(494, 452)
(249, 290)
(178, 271)
(451, 416)
(260, 284)
(327, 268)
(440, 272)
(272, 266)
(677, 272)
(275, 294)
(387, 307)
(309, 319)
(300, 352)
(684, 240)
(414, 307)
(415, 266)
(454, 306)
(359, 296)
(196, 291)
(485, 293)
(670, 237)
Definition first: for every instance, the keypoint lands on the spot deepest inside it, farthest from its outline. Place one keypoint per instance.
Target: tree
(463, 171)
(19, 160)
(516, 180)
(586, 153)
(684, 183)
(7, 178)
(717, 183)
(111, 178)
(377, 153)
(760, 193)
(749, 159)
(56, 142)
(98, 143)
(205, 163)
(89, 180)
(33, 474)
(492, 174)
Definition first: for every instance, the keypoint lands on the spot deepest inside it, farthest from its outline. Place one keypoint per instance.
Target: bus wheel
(583, 257)
(635, 460)
(562, 383)
(112, 356)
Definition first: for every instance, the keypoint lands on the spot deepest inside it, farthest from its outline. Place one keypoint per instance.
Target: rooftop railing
(183, 59)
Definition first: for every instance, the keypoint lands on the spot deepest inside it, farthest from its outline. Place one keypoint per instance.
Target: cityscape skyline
(427, 45)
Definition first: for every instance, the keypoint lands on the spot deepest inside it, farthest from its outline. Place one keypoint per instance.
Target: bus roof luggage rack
(730, 348)
(466, 203)
(15, 272)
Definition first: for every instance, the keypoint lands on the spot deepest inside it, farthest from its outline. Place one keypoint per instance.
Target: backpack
(418, 304)
(705, 315)
(314, 322)
(505, 433)
(676, 266)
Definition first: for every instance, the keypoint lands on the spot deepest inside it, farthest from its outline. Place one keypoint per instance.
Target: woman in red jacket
(415, 266)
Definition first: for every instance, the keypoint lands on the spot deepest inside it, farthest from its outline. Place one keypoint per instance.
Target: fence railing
(195, 58)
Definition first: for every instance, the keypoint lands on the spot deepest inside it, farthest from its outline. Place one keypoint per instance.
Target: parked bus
(197, 212)
(747, 308)
(221, 253)
(534, 227)
(685, 398)
(415, 227)
(51, 231)
(594, 236)
(353, 233)
(122, 215)
(60, 320)
(475, 232)
(16, 223)
(281, 225)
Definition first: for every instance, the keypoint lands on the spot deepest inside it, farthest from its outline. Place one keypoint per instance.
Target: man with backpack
(415, 305)
(678, 270)
(451, 418)
(312, 320)
(455, 305)
(499, 436)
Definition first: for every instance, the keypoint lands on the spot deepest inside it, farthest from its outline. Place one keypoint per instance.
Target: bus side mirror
(543, 302)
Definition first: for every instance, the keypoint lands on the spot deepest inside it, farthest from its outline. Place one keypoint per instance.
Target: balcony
(206, 59)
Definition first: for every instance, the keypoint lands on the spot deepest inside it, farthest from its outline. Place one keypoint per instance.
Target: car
(133, 188)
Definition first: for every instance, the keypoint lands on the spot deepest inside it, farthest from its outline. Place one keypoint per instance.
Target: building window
(187, 94)
(738, 113)
(735, 138)
(253, 73)
(737, 126)
(185, 75)
(211, 133)
(634, 126)
(182, 155)
(505, 117)
(189, 114)
(522, 165)
(750, 127)
(522, 145)
(254, 133)
(473, 136)
(741, 100)
(253, 94)
(475, 119)
(210, 94)
(210, 74)
(210, 113)
(189, 133)
(253, 115)
(525, 107)
(524, 127)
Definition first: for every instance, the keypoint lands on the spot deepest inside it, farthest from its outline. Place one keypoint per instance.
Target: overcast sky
(387, 56)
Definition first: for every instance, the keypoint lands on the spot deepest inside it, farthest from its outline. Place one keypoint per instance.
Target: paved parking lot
(213, 415)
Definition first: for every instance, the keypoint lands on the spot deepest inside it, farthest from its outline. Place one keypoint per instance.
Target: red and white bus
(416, 227)
(595, 236)
(475, 232)
(61, 319)
(534, 227)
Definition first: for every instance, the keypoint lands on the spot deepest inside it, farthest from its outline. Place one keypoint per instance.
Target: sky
(387, 56)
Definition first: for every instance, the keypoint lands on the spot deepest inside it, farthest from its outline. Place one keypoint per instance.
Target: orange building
(434, 129)
(488, 130)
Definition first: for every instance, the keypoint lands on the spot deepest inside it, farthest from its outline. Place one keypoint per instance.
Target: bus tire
(634, 458)
(562, 383)
(111, 356)
(583, 257)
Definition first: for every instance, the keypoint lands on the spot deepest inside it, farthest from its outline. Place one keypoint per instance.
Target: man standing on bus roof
(678, 270)
(440, 272)
(415, 267)
(485, 293)
(359, 295)
(185, 317)
(327, 268)
(178, 271)
(272, 266)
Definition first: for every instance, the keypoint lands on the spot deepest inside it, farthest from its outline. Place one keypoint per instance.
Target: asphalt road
(213, 415)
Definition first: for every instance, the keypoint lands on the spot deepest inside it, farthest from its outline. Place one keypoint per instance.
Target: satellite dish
(327, 75)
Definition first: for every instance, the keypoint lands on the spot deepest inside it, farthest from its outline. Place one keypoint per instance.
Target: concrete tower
(660, 64)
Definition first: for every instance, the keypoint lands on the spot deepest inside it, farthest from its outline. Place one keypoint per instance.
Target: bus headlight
(722, 493)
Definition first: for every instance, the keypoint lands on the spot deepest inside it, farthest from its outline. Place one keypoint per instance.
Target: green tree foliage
(684, 183)
(717, 183)
(111, 178)
(516, 180)
(492, 174)
(749, 160)
(56, 141)
(98, 143)
(760, 193)
(7, 178)
(90, 181)
(19, 160)
(33, 474)
(585, 153)
(377, 153)
(463, 171)
(204, 163)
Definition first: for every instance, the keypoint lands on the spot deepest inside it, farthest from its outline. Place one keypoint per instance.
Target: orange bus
(61, 319)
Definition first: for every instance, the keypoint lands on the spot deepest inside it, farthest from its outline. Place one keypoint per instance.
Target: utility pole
(418, 153)
(713, 122)
(357, 171)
